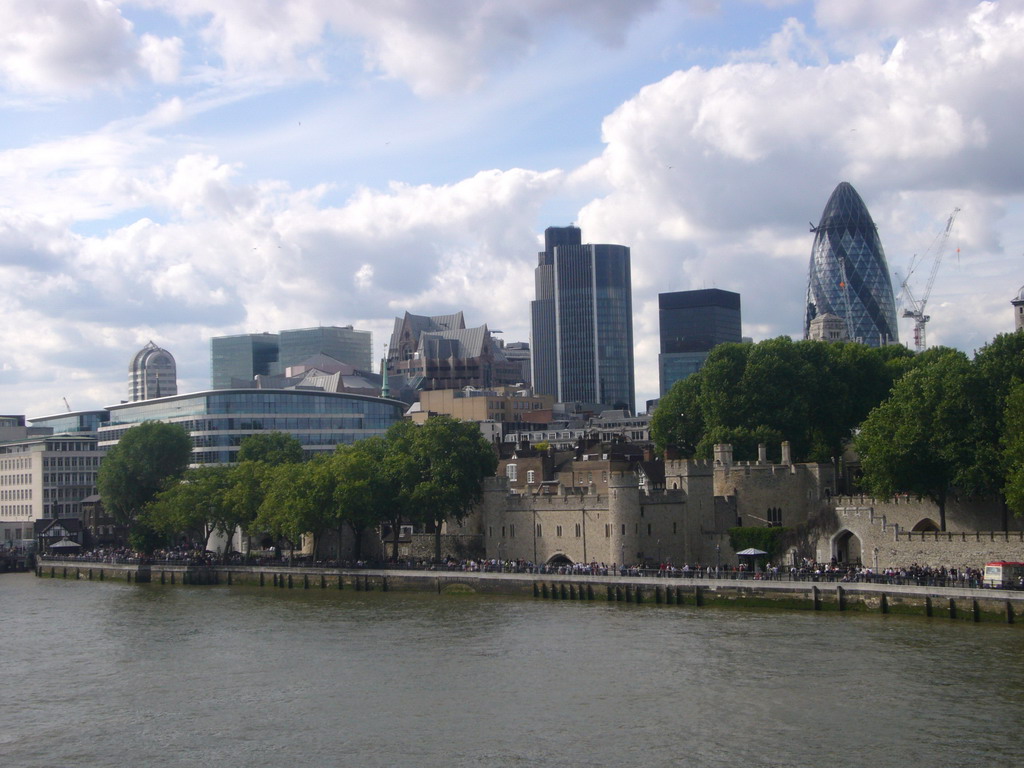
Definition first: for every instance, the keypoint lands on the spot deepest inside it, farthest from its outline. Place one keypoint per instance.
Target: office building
(343, 343)
(236, 360)
(151, 373)
(691, 324)
(849, 276)
(440, 352)
(218, 420)
(44, 477)
(582, 321)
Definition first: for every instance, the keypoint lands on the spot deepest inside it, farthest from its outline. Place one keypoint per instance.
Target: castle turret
(723, 454)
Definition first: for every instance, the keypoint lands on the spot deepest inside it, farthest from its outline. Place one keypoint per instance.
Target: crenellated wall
(880, 534)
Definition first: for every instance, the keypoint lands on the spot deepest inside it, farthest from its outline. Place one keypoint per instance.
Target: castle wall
(795, 490)
(882, 535)
(621, 525)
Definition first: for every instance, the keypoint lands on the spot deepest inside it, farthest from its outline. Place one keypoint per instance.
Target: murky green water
(107, 674)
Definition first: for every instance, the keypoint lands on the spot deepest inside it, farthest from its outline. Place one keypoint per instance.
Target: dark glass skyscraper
(690, 324)
(849, 277)
(582, 321)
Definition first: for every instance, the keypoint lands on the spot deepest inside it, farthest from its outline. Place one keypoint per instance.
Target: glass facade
(344, 344)
(690, 324)
(849, 276)
(82, 422)
(218, 420)
(238, 359)
(582, 334)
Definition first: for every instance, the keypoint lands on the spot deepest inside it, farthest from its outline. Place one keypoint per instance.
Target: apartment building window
(511, 472)
(530, 476)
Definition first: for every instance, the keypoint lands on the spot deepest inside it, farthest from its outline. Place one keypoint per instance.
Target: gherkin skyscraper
(849, 277)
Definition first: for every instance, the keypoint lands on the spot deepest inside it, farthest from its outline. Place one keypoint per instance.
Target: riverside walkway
(954, 602)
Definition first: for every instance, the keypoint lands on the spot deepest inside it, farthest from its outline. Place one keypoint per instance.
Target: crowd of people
(806, 570)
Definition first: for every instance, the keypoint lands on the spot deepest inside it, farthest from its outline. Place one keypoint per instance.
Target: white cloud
(435, 46)
(156, 227)
(161, 57)
(59, 47)
(713, 171)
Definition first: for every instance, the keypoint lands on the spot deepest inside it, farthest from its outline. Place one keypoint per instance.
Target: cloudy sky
(179, 169)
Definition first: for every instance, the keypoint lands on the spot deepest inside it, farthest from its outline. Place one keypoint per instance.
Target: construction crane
(67, 404)
(916, 308)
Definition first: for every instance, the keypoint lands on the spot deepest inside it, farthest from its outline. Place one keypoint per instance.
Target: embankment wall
(946, 602)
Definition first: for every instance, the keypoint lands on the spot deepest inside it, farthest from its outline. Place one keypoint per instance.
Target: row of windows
(257, 403)
(20, 479)
(71, 461)
(22, 494)
(24, 463)
(87, 487)
(16, 509)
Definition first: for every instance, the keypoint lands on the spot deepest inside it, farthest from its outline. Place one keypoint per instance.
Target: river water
(109, 674)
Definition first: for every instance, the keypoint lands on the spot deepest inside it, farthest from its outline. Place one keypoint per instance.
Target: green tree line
(414, 474)
(926, 424)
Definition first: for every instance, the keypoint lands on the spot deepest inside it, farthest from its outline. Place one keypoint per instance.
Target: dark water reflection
(116, 675)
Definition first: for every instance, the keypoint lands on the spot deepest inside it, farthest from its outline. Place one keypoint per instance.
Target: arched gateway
(846, 547)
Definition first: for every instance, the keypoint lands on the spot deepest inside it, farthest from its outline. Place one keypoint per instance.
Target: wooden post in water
(952, 608)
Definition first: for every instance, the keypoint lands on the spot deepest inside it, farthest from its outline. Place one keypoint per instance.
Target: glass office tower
(236, 360)
(582, 322)
(849, 277)
(690, 324)
(343, 343)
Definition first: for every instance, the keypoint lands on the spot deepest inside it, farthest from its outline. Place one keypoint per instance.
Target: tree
(184, 506)
(362, 493)
(299, 501)
(146, 458)
(677, 423)
(435, 472)
(924, 438)
(271, 448)
(1013, 448)
(811, 393)
(453, 459)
